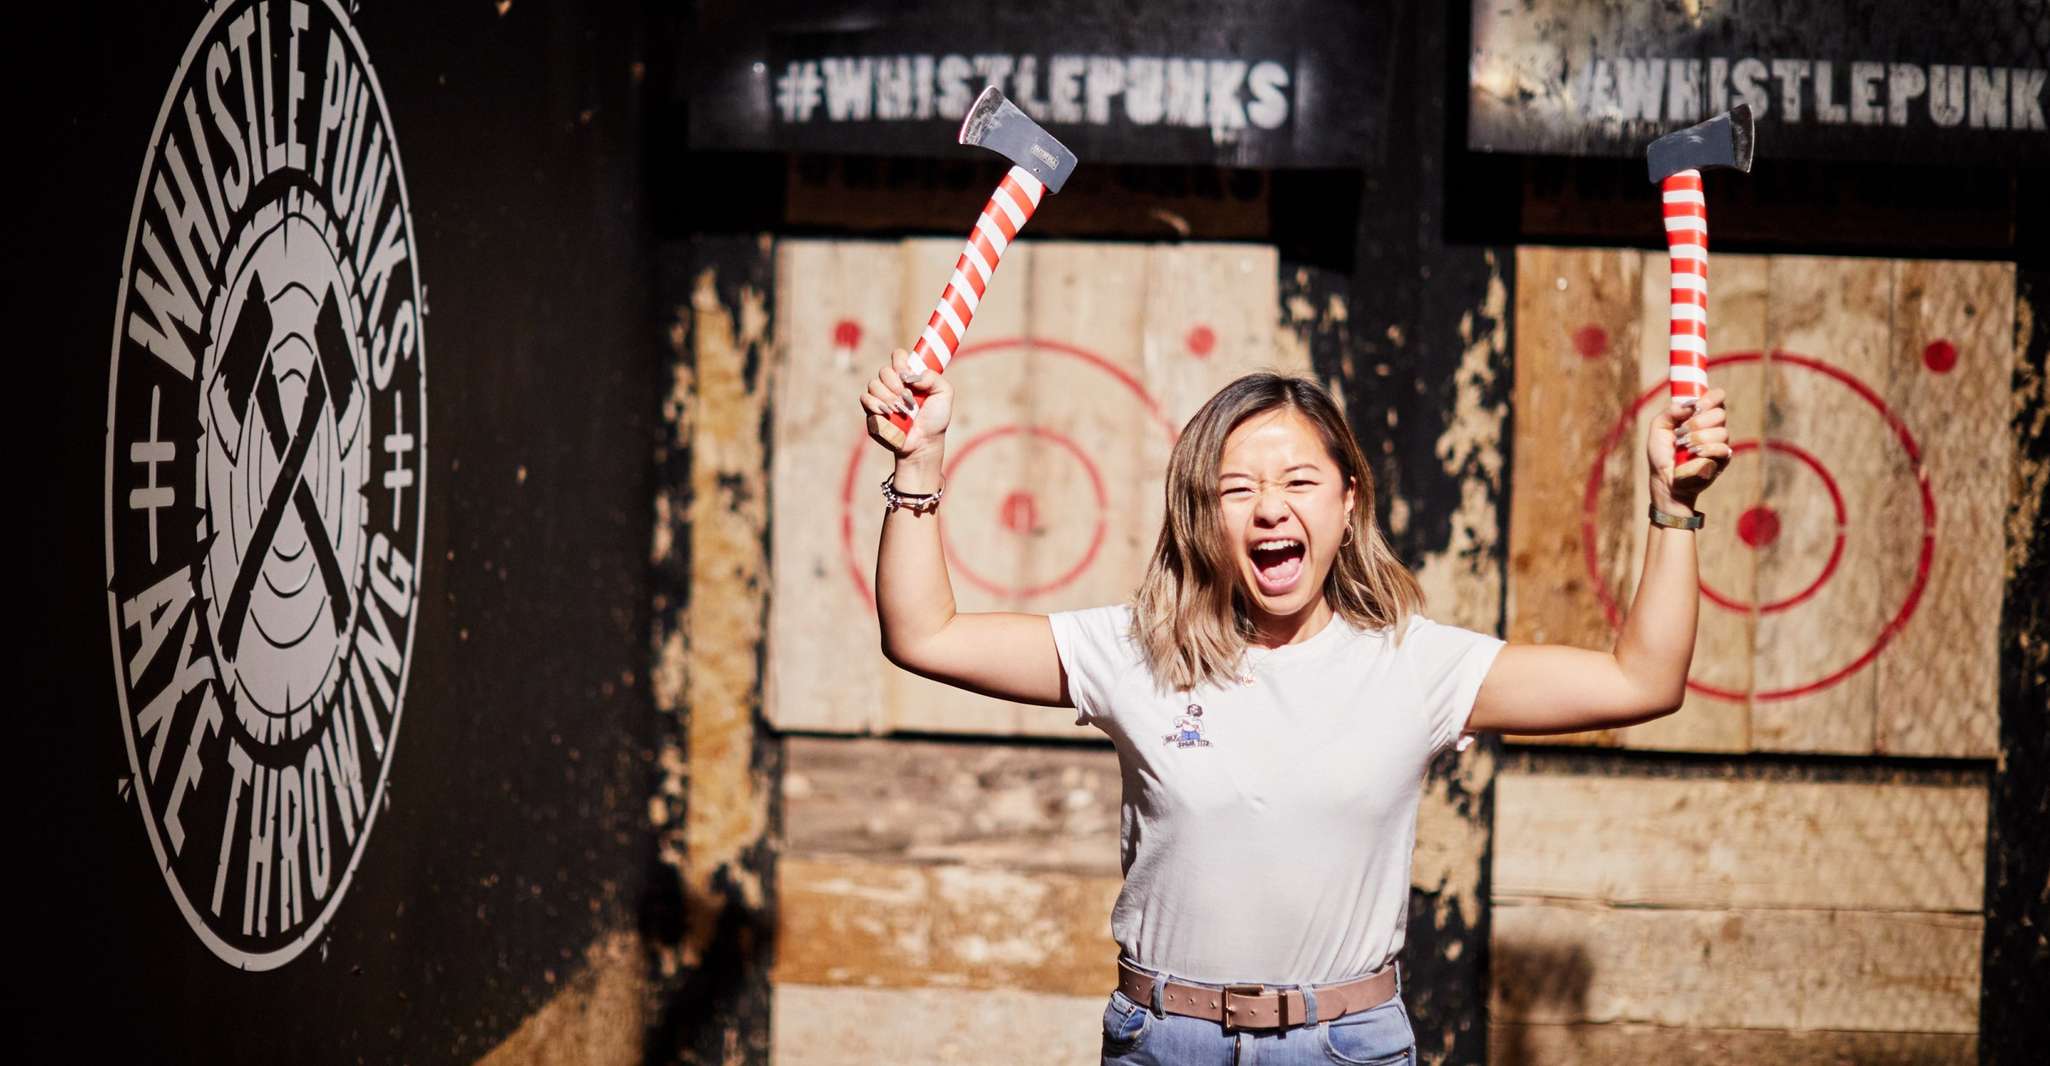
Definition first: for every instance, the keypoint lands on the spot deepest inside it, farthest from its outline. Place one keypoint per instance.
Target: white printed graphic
(266, 439)
(1226, 96)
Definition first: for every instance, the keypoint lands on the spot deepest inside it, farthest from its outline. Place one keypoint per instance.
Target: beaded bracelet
(915, 502)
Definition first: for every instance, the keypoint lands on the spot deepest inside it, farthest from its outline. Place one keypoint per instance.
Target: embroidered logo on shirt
(1188, 729)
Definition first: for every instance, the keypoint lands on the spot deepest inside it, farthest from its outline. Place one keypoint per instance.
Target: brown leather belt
(1258, 1006)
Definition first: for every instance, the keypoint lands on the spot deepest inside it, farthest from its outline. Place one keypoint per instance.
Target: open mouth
(1278, 563)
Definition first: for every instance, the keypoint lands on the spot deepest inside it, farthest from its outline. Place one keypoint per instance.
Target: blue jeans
(1141, 1034)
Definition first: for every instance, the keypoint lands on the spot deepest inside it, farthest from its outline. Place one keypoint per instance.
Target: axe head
(996, 123)
(1723, 141)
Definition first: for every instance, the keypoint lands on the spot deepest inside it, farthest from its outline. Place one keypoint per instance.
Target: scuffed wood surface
(1840, 311)
(1860, 365)
(1567, 300)
(709, 913)
(1741, 969)
(1522, 1044)
(1938, 693)
(1704, 843)
(892, 924)
(1012, 806)
(1577, 319)
(934, 1027)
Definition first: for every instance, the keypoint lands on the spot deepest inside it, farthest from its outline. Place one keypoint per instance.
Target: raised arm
(1005, 654)
(1551, 688)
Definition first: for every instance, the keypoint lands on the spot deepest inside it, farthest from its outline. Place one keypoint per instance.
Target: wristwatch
(1660, 518)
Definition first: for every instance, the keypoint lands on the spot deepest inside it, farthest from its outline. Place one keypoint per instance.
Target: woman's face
(1284, 505)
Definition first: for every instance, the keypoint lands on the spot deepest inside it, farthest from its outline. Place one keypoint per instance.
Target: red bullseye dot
(1202, 341)
(847, 333)
(1940, 356)
(1020, 513)
(1758, 526)
(1591, 341)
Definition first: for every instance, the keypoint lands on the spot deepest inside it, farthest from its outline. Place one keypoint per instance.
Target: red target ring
(1836, 550)
(862, 444)
(1096, 534)
(1592, 501)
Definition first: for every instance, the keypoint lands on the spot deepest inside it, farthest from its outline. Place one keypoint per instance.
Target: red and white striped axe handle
(1686, 214)
(1007, 211)
(1675, 161)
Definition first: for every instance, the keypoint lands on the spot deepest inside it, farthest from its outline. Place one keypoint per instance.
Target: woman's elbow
(1665, 701)
(895, 652)
(905, 654)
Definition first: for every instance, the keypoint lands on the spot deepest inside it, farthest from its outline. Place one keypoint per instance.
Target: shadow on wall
(1533, 981)
(1541, 1015)
(718, 1004)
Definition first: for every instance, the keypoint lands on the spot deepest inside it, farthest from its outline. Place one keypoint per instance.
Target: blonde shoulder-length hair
(1189, 615)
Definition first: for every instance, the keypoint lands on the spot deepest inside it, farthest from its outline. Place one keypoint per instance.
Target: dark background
(515, 830)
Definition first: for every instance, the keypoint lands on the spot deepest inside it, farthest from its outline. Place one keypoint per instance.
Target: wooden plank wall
(1754, 907)
(1082, 364)
(1837, 917)
(945, 886)
(711, 913)
(1851, 599)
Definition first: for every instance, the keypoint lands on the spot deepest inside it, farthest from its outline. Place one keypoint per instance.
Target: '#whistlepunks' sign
(1963, 80)
(1233, 82)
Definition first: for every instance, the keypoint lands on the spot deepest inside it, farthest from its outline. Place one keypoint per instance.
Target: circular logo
(266, 447)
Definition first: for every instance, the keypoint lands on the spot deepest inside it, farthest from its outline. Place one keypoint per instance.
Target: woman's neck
(1274, 631)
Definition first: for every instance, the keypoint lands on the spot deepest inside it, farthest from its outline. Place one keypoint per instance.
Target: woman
(1274, 695)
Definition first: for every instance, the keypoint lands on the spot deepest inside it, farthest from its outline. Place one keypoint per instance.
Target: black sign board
(1285, 83)
(1921, 80)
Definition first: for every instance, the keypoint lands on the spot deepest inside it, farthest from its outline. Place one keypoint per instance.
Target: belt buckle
(1280, 1005)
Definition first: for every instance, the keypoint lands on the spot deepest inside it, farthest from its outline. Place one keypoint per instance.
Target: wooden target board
(1084, 361)
(1851, 565)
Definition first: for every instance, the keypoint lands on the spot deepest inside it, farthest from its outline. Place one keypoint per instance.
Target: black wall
(514, 834)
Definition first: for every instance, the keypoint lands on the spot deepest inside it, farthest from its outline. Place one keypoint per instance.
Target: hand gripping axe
(1040, 165)
(1676, 161)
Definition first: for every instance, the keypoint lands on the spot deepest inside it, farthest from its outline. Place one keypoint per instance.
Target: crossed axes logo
(285, 468)
(248, 372)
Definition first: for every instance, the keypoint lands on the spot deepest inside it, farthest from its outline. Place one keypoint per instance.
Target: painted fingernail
(1682, 441)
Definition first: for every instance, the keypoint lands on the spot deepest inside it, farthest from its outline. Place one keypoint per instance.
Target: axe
(1040, 165)
(1676, 161)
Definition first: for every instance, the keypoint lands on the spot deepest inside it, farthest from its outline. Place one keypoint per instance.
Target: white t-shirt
(1268, 827)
